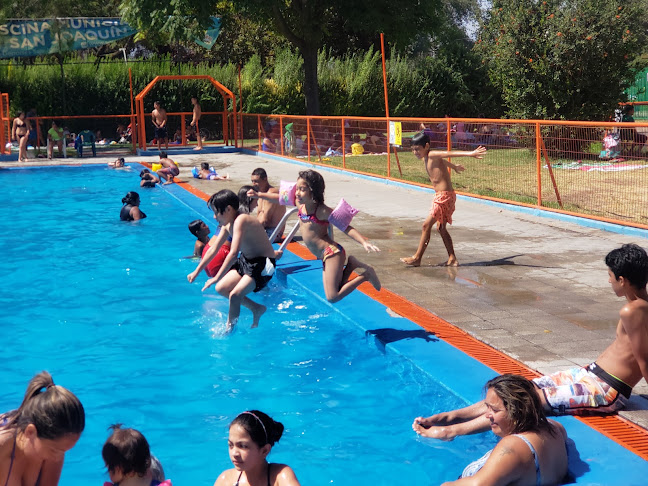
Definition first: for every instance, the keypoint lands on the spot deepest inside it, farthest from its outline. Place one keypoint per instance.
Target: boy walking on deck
(603, 386)
(443, 204)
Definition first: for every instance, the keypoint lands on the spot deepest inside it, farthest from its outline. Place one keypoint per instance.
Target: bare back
(629, 350)
(250, 237)
(167, 163)
(439, 173)
(197, 112)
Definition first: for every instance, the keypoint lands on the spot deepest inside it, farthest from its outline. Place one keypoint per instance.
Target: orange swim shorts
(443, 205)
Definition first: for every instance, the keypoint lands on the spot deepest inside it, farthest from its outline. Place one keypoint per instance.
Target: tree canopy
(569, 59)
(306, 24)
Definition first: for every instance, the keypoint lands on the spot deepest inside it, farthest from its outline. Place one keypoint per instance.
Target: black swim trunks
(160, 133)
(261, 269)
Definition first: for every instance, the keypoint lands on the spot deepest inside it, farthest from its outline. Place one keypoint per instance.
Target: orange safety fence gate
(593, 169)
(5, 124)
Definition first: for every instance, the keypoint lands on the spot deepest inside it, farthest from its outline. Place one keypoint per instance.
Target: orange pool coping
(622, 431)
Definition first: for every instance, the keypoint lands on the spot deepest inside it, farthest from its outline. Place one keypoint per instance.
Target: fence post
(2, 128)
(448, 135)
(183, 129)
(281, 139)
(308, 136)
(343, 146)
(538, 164)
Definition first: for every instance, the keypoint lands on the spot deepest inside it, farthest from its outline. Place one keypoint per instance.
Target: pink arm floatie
(287, 193)
(342, 215)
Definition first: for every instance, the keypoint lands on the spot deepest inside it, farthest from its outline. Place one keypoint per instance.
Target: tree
(563, 59)
(306, 24)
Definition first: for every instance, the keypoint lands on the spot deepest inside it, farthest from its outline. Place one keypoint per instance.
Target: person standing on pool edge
(443, 205)
(254, 267)
(159, 117)
(197, 113)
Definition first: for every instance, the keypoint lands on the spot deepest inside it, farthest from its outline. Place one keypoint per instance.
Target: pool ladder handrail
(292, 232)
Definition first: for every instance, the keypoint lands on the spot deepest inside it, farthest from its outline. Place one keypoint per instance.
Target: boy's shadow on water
(389, 335)
(576, 466)
(502, 262)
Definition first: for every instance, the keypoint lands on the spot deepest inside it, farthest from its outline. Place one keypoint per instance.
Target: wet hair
(53, 410)
(121, 160)
(131, 198)
(163, 154)
(144, 173)
(315, 182)
(420, 139)
(223, 198)
(521, 402)
(260, 172)
(204, 165)
(195, 226)
(128, 450)
(630, 262)
(261, 428)
(244, 200)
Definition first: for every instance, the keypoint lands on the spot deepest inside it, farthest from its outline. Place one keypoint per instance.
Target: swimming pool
(105, 307)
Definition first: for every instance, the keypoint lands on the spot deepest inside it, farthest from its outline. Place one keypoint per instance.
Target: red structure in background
(5, 123)
(226, 93)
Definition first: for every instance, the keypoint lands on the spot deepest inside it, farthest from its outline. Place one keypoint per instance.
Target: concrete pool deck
(532, 287)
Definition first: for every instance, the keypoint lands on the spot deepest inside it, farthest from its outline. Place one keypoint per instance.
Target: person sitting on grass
(254, 267)
(603, 386)
(443, 204)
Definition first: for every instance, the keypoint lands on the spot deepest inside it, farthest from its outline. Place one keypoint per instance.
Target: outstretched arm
(268, 196)
(355, 234)
(478, 153)
(457, 168)
(214, 245)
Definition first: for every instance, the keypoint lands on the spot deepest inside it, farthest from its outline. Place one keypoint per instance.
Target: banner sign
(28, 38)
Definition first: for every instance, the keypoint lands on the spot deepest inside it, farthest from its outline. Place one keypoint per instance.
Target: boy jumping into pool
(603, 386)
(254, 267)
(443, 204)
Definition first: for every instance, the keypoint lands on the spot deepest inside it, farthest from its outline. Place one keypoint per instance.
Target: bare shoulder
(635, 310)
(323, 212)
(227, 477)
(274, 190)
(284, 475)
(558, 427)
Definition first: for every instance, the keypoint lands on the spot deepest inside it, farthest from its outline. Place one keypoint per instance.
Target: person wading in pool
(254, 267)
(603, 386)
(269, 211)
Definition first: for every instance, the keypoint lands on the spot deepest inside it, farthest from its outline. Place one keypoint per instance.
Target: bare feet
(411, 261)
(256, 315)
(167, 182)
(230, 327)
(372, 278)
(452, 262)
(197, 148)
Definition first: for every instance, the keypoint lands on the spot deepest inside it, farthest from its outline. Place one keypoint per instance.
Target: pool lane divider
(614, 427)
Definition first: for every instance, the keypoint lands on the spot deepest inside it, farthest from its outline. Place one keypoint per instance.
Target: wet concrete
(531, 287)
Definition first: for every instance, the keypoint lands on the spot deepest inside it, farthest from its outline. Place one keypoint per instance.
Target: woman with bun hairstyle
(251, 437)
(130, 210)
(35, 437)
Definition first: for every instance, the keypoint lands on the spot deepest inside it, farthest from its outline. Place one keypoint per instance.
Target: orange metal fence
(5, 124)
(598, 170)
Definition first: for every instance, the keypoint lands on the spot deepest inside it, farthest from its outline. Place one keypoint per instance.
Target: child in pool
(251, 438)
(200, 230)
(148, 179)
(239, 275)
(128, 459)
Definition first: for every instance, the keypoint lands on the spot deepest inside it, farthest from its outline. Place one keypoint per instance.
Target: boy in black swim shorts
(251, 271)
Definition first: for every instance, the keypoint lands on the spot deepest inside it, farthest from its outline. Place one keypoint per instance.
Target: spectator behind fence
(631, 134)
(83, 137)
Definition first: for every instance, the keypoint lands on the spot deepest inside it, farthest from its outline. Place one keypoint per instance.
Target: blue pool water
(106, 308)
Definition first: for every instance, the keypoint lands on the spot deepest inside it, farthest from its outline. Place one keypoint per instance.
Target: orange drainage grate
(618, 429)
